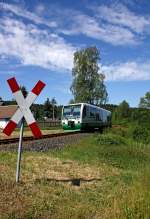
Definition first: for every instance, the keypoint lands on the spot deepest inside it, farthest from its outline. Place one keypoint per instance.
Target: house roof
(6, 112)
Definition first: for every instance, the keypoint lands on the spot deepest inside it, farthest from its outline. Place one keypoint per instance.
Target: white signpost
(23, 112)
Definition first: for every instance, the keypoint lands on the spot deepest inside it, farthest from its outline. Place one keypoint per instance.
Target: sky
(39, 37)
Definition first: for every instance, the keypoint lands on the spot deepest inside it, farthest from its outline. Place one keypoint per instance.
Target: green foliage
(59, 112)
(145, 101)
(110, 107)
(118, 130)
(9, 102)
(122, 111)
(141, 134)
(88, 85)
(38, 111)
(1, 101)
(41, 110)
(124, 115)
(54, 102)
(71, 101)
(50, 108)
(110, 139)
(142, 116)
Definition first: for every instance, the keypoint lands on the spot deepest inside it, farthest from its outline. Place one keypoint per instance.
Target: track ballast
(47, 142)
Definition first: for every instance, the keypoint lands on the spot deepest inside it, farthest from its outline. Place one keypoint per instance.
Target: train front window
(72, 111)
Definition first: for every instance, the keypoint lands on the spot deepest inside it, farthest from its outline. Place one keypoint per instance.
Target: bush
(140, 134)
(119, 131)
(110, 139)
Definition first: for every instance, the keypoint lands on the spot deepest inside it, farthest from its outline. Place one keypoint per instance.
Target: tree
(145, 101)
(123, 110)
(38, 111)
(1, 101)
(71, 101)
(53, 102)
(88, 84)
(59, 111)
(141, 116)
(48, 108)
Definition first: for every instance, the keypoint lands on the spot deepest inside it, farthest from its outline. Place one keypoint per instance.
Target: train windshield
(72, 111)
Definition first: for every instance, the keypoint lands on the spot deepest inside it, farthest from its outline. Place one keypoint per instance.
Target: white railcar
(83, 116)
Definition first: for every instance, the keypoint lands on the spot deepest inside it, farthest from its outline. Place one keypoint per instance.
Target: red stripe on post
(38, 88)
(13, 84)
(35, 130)
(9, 128)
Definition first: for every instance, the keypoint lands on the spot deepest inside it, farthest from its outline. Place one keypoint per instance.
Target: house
(6, 112)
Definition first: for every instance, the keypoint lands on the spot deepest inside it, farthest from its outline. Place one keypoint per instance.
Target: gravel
(44, 145)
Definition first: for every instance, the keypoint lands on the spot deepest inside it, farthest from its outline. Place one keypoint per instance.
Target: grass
(113, 173)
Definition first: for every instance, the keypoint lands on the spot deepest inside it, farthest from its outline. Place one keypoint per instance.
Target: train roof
(73, 104)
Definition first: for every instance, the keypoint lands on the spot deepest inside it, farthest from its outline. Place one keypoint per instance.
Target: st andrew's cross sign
(23, 111)
(24, 107)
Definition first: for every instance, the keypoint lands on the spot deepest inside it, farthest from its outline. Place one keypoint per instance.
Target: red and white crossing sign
(24, 107)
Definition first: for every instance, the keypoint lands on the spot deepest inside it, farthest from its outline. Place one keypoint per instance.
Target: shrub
(120, 131)
(140, 134)
(110, 139)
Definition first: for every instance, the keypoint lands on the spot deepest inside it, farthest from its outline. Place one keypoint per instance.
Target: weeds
(110, 139)
(141, 134)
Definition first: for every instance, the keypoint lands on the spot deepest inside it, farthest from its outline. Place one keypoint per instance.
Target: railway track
(47, 142)
(31, 138)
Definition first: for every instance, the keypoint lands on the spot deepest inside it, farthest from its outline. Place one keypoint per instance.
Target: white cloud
(108, 33)
(114, 24)
(120, 15)
(83, 24)
(22, 12)
(116, 30)
(39, 9)
(129, 71)
(33, 46)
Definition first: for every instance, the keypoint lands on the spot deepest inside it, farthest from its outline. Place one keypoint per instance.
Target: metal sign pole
(19, 151)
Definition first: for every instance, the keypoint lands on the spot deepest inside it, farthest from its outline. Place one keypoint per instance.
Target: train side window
(84, 111)
(87, 111)
(97, 115)
(101, 115)
(91, 112)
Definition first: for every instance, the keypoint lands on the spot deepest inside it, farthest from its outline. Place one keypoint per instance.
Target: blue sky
(38, 39)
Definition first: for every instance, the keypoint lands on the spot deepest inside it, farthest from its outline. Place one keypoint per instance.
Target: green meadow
(104, 176)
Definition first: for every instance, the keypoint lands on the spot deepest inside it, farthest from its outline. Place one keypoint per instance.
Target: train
(84, 116)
